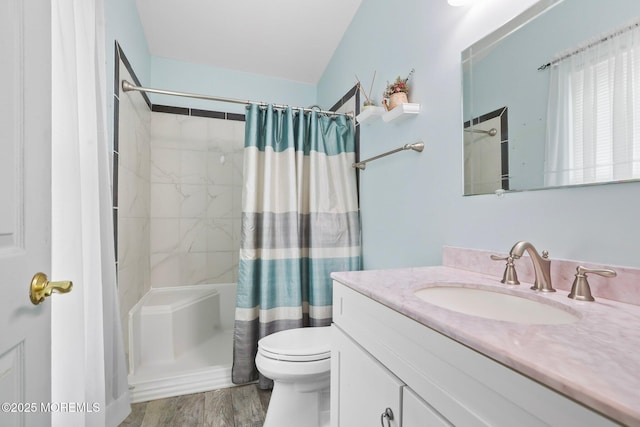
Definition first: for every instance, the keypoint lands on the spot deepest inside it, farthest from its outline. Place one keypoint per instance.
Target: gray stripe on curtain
(292, 230)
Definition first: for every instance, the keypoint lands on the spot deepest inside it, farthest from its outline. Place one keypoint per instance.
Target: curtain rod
(589, 45)
(417, 146)
(126, 86)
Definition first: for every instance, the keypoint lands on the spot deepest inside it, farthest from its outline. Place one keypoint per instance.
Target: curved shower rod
(127, 86)
(417, 146)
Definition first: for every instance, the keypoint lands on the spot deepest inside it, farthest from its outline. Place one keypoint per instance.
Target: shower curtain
(300, 222)
(88, 360)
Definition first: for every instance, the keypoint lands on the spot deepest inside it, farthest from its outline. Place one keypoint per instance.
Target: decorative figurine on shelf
(368, 101)
(396, 93)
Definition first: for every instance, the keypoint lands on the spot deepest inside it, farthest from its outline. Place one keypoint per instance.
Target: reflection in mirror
(486, 153)
(569, 73)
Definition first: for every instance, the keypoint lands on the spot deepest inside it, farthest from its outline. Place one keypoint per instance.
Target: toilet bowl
(298, 361)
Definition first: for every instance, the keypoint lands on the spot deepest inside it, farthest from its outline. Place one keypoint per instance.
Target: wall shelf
(402, 111)
(369, 114)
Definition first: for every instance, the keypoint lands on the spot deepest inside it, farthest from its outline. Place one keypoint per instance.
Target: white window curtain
(88, 361)
(593, 123)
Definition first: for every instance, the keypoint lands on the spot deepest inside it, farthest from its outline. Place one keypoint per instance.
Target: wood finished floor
(243, 406)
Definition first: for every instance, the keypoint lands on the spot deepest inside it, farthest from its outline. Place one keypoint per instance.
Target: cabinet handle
(388, 414)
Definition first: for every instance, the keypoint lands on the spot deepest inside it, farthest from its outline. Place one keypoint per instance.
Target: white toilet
(298, 361)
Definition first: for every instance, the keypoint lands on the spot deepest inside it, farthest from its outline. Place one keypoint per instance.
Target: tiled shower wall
(178, 181)
(196, 199)
(132, 159)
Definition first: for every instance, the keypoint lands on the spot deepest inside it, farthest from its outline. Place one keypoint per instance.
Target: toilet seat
(297, 345)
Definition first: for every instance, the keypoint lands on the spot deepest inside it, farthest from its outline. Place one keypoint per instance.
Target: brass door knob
(41, 288)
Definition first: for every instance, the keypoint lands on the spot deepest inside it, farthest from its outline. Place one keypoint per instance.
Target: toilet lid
(297, 345)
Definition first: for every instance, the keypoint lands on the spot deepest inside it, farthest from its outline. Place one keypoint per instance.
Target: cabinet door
(361, 388)
(418, 413)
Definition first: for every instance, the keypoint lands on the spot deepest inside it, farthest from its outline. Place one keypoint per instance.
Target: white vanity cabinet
(383, 359)
(367, 390)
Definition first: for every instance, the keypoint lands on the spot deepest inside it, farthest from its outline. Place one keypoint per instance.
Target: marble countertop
(595, 360)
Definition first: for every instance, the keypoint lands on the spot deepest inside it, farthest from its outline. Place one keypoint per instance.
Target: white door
(25, 209)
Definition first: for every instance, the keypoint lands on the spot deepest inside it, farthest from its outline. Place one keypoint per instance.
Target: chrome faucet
(541, 265)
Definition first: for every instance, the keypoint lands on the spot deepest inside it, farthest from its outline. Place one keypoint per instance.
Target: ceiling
(288, 39)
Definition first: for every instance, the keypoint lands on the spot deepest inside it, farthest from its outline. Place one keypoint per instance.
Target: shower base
(181, 341)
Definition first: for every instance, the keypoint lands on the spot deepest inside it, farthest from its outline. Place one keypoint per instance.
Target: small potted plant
(396, 93)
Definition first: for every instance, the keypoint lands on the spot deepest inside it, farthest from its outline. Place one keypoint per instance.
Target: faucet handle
(509, 277)
(580, 289)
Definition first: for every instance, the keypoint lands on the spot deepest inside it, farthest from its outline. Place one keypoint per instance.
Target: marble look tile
(238, 167)
(221, 134)
(165, 165)
(236, 205)
(219, 168)
(238, 134)
(194, 235)
(221, 266)
(237, 226)
(165, 270)
(219, 235)
(132, 233)
(134, 147)
(194, 201)
(137, 103)
(133, 194)
(193, 130)
(165, 127)
(220, 199)
(165, 235)
(189, 195)
(134, 199)
(193, 167)
(193, 268)
(166, 200)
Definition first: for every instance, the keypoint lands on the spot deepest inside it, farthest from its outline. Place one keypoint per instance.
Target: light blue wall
(207, 80)
(411, 203)
(122, 24)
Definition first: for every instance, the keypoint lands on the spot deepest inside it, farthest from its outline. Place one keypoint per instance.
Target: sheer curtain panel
(88, 362)
(593, 132)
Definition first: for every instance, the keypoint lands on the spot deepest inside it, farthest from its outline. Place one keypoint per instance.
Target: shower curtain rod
(126, 86)
(589, 45)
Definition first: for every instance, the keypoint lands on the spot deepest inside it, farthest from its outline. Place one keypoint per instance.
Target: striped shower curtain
(300, 222)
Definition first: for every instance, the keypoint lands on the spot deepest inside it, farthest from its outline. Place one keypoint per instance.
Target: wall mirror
(520, 85)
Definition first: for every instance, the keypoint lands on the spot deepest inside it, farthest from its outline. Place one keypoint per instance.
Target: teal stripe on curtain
(312, 275)
(282, 130)
(300, 223)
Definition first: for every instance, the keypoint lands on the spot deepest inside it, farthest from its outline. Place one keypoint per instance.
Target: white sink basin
(496, 305)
